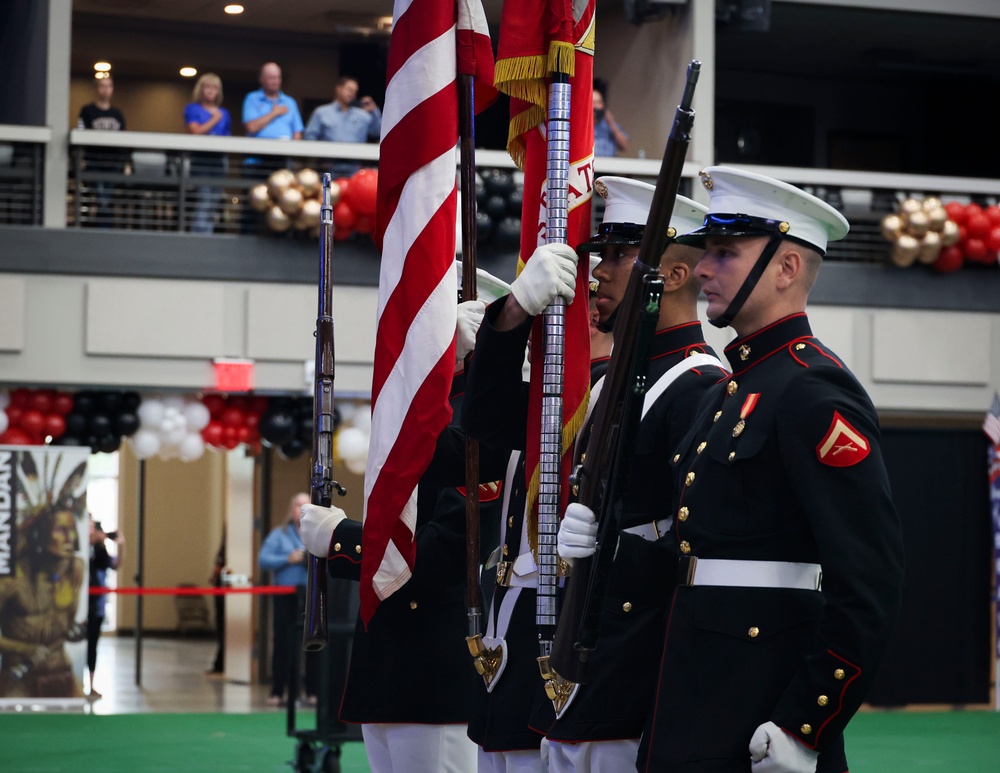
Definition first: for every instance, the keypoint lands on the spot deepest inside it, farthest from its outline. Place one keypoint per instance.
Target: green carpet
(877, 742)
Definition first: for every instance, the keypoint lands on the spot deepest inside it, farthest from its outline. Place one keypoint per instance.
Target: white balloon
(4, 421)
(174, 436)
(150, 413)
(174, 402)
(4, 398)
(352, 445)
(191, 447)
(362, 418)
(357, 466)
(346, 410)
(197, 415)
(145, 443)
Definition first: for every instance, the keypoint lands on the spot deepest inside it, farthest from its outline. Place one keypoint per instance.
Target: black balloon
(304, 432)
(514, 200)
(108, 444)
(99, 424)
(292, 448)
(509, 230)
(126, 423)
(83, 403)
(499, 182)
(277, 427)
(67, 440)
(108, 402)
(131, 400)
(304, 406)
(485, 227)
(495, 207)
(481, 193)
(76, 424)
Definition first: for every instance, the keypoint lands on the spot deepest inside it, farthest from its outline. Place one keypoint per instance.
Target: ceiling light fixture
(188, 72)
(102, 66)
(233, 9)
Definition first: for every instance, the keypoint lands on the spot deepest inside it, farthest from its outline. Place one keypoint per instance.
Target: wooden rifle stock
(596, 483)
(322, 484)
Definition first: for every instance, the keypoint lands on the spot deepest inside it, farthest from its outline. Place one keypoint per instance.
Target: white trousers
(419, 748)
(512, 762)
(593, 756)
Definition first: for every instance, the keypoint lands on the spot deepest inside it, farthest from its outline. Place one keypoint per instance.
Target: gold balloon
(905, 251)
(930, 247)
(259, 198)
(335, 194)
(950, 233)
(278, 220)
(309, 214)
(290, 201)
(917, 224)
(309, 181)
(279, 181)
(909, 206)
(892, 226)
(931, 203)
(938, 218)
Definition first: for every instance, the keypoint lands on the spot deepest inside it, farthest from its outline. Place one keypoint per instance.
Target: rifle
(322, 484)
(598, 481)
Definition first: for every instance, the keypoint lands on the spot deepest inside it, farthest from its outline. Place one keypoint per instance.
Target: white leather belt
(651, 531)
(749, 574)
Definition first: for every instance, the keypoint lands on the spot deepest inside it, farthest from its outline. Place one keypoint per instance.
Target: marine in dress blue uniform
(791, 554)
(599, 728)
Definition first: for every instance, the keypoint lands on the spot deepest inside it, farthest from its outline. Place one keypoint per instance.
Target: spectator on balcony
(609, 136)
(205, 115)
(346, 119)
(102, 116)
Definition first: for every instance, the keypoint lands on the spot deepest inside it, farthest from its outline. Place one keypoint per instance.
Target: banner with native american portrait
(43, 573)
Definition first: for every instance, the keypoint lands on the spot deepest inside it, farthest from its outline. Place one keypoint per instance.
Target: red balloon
(258, 404)
(55, 425)
(243, 434)
(978, 225)
(62, 403)
(361, 193)
(949, 259)
(955, 212)
(975, 250)
(251, 420)
(993, 213)
(214, 403)
(33, 422)
(212, 433)
(365, 224)
(231, 417)
(343, 216)
(340, 234)
(972, 208)
(343, 183)
(14, 414)
(19, 398)
(15, 437)
(230, 437)
(993, 240)
(41, 400)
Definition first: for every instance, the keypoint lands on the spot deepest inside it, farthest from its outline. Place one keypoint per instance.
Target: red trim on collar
(810, 341)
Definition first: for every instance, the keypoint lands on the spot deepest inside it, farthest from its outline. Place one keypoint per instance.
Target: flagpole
(550, 457)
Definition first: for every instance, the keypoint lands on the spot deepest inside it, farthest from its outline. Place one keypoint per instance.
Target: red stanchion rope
(277, 590)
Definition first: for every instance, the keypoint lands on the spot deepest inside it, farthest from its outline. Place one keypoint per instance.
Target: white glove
(577, 532)
(772, 750)
(550, 272)
(317, 526)
(469, 318)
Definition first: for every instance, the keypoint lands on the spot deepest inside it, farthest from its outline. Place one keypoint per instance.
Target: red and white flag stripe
(416, 234)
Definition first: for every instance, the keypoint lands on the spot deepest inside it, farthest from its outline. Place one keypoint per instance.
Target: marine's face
(723, 269)
(612, 274)
(62, 538)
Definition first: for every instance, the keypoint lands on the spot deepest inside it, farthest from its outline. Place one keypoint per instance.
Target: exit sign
(233, 375)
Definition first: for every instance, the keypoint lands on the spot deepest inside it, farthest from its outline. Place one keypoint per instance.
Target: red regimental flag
(536, 41)
(415, 232)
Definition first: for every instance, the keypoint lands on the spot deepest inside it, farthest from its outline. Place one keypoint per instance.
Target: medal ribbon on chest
(748, 405)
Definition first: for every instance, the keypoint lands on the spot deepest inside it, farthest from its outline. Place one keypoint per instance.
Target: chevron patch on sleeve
(843, 445)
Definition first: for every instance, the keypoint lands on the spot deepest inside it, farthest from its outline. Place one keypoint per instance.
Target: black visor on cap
(730, 225)
(613, 233)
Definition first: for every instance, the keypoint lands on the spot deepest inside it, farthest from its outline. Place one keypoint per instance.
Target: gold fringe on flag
(562, 57)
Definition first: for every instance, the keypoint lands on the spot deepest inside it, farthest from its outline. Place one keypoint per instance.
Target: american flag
(538, 39)
(991, 426)
(415, 232)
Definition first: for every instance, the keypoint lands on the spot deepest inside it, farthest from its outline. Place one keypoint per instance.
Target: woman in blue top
(205, 115)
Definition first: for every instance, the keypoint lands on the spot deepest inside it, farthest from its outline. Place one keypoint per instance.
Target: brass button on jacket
(685, 547)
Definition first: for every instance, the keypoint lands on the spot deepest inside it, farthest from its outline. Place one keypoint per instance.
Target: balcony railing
(176, 182)
(22, 154)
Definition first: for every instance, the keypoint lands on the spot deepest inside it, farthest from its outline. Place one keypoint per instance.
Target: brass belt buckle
(686, 570)
(503, 573)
